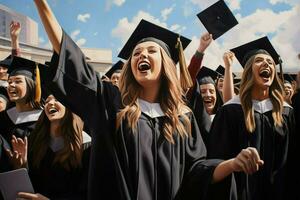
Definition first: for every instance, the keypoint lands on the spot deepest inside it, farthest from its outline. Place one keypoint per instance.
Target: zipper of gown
(155, 158)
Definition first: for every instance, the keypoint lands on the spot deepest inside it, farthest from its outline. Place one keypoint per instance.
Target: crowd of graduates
(151, 127)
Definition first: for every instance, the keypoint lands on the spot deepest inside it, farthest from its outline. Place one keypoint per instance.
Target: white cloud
(174, 27)
(125, 27)
(81, 42)
(166, 12)
(83, 17)
(110, 3)
(75, 33)
(234, 4)
(290, 2)
(96, 33)
(187, 9)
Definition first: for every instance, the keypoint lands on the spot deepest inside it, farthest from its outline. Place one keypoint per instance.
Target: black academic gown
(229, 136)
(163, 170)
(14, 123)
(55, 182)
(202, 117)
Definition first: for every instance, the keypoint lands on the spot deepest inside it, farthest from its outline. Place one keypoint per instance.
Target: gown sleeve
(198, 170)
(77, 86)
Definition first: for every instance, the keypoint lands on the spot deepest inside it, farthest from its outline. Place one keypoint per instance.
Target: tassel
(185, 78)
(38, 91)
(281, 71)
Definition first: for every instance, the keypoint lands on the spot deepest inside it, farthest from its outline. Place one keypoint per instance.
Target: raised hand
(18, 155)
(228, 58)
(205, 41)
(26, 195)
(15, 29)
(248, 161)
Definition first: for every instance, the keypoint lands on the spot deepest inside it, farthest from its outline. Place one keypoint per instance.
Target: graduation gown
(55, 182)
(126, 165)
(229, 136)
(12, 122)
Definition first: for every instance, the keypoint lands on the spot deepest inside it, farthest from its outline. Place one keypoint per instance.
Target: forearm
(228, 89)
(50, 23)
(222, 170)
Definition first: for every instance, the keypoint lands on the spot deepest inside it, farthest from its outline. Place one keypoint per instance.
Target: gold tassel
(38, 91)
(185, 78)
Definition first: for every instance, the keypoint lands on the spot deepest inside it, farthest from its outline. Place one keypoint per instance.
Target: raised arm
(196, 61)
(15, 29)
(51, 25)
(228, 88)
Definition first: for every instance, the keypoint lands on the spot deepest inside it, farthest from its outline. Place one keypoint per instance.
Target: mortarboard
(261, 45)
(146, 29)
(217, 19)
(221, 70)
(6, 62)
(117, 66)
(207, 72)
(30, 69)
(289, 78)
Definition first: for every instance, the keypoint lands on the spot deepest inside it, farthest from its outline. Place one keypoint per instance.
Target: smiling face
(209, 96)
(3, 73)
(220, 84)
(115, 77)
(54, 110)
(263, 69)
(289, 91)
(146, 63)
(17, 88)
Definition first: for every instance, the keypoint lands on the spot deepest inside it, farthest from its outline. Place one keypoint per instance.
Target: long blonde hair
(71, 127)
(170, 99)
(275, 92)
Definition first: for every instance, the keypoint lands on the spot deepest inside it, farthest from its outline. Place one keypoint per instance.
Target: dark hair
(30, 94)
(71, 127)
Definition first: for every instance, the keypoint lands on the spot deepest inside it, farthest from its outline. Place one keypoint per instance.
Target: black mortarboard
(117, 66)
(146, 31)
(30, 69)
(217, 19)
(261, 45)
(6, 62)
(3, 93)
(288, 77)
(221, 70)
(207, 72)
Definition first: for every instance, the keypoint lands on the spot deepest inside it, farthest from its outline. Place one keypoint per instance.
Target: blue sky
(108, 23)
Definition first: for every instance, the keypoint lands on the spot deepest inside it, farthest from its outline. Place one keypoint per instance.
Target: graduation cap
(6, 62)
(30, 69)
(117, 66)
(261, 45)
(207, 72)
(289, 78)
(167, 39)
(217, 19)
(221, 70)
(4, 94)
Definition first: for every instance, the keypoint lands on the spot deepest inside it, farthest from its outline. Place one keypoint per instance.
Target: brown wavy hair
(170, 99)
(275, 92)
(71, 127)
(30, 94)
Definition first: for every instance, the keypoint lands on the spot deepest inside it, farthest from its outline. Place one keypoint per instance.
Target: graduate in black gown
(257, 118)
(58, 154)
(152, 144)
(25, 93)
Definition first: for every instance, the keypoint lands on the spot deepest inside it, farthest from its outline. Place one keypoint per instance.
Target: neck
(150, 93)
(54, 129)
(260, 94)
(23, 107)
